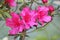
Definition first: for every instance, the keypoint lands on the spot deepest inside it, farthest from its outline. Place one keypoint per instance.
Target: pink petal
(41, 21)
(32, 23)
(47, 18)
(43, 8)
(12, 4)
(27, 26)
(9, 23)
(13, 14)
(21, 28)
(25, 10)
(13, 31)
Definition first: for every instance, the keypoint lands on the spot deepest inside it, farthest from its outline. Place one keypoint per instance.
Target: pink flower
(42, 14)
(29, 17)
(23, 22)
(15, 24)
(11, 3)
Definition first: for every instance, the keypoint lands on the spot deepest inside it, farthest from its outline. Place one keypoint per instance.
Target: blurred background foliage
(49, 32)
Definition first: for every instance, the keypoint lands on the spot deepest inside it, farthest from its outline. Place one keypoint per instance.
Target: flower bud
(44, 1)
(51, 8)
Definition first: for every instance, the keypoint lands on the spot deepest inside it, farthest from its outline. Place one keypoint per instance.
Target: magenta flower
(15, 24)
(23, 22)
(29, 17)
(11, 3)
(42, 15)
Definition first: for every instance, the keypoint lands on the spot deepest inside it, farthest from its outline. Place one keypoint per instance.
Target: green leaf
(20, 0)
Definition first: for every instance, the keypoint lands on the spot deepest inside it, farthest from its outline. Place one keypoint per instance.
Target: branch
(39, 27)
(31, 3)
(22, 37)
(16, 6)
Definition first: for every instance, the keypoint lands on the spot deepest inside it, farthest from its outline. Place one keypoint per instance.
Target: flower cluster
(24, 21)
(28, 18)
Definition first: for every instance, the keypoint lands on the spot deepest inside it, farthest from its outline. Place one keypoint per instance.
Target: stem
(31, 3)
(14, 38)
(24, 1)
(16, 7)
(23, 5)
(22, 37)
(39, 28)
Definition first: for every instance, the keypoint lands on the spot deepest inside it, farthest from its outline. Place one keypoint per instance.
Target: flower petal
(21, 28)
(13, 31)
(47, 18)
(9, 23)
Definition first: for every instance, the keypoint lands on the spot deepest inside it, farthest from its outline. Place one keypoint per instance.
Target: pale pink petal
(27, 26)
(13, 31)
(22, 13)
(33, 12)
(43, 8)
(32, 23)
(47, 18)
(21, 28)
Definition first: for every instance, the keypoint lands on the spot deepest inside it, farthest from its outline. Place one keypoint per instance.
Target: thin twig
(23, 5)
(39, 28)
(31, 3)
(16, 6)
(22, 37)
(24, 1)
